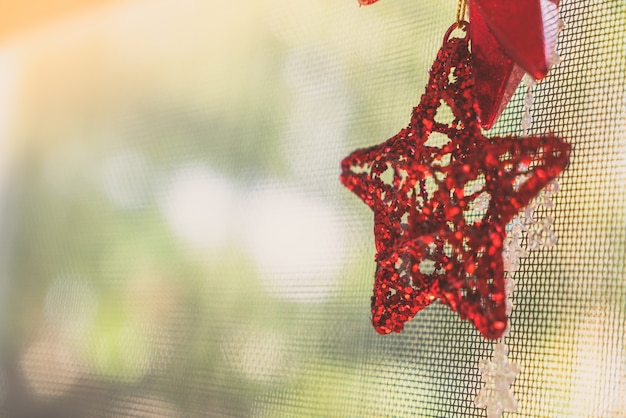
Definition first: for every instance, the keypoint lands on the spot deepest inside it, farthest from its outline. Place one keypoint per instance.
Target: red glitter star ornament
(428, 187)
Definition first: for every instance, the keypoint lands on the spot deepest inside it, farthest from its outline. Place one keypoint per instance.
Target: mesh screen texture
(175, 240)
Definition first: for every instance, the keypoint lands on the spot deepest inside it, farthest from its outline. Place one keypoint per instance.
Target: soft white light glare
(198, 206)
(600, 368)
(297, 243)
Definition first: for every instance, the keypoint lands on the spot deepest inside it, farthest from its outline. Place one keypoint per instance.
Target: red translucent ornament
(442, 195)
(525, 29)
(509, 38)
(496, 76)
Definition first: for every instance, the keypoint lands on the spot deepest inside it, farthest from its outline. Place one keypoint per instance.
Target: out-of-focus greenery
(176, 239)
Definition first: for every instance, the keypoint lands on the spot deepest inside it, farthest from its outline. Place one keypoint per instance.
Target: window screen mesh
(175, 240)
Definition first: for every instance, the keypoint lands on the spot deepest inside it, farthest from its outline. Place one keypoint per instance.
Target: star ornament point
(442, 194)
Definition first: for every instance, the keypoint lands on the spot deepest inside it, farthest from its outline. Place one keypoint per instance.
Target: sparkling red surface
(519, 27)
(422, 185)
(496, 76)
(508, 39)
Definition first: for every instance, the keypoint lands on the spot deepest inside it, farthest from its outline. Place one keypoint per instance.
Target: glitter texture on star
(442, 195)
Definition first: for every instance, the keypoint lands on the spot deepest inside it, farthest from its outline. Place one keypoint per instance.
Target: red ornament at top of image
(442, 195)
(508, 39)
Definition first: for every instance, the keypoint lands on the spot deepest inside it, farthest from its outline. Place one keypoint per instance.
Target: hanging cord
(460, 11)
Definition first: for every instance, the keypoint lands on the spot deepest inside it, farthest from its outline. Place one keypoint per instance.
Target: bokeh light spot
(51, 365)
(198, 206)
(297, 242)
